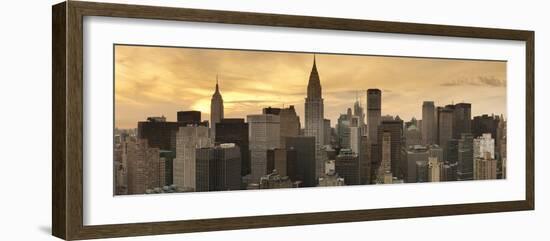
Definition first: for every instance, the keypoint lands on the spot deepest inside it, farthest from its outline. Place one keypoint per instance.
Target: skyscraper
(283, 161)
(465, 157)
(290, 124)
(235, 130)
(304, 146)
(347, 167)
(343, 131)
(462, 119)
(264, 134)
(434, 169)
(483, 145)
(216, 109)
(314, 116)
(428, 123)
(385, 164)
(395, 129)
(360, 113)
(415, 154)
(158, 132)
(143, 166)
(218, 168)
(188, 138)
(327, 131)
(445, 119)
(485, 167)
(374, 112)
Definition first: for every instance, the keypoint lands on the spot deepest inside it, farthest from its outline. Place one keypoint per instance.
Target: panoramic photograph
(199, 120)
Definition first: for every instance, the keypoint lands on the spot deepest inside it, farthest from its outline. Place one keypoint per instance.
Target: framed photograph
(172, 120)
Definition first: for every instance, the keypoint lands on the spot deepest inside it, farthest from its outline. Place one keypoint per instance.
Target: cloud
(490, 81)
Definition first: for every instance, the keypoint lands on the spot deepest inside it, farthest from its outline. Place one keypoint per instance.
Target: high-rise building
(501, 150)
(488, 124)
(485, 167)
(191, 117)
(343, 131)
(462, 119)
(415, 154)
(445, 119)
(452, 151)
(282, 160)
(395, 129)
(347, 167)
(314, 117)
(188, 139)
(429, 125)
(235, 130)
(354, 139)
(264, 134)
(271, 110)
(290, 124)
(158, 132)
(216, 109)
(364, 160)
(449, 171)
(218, 168)
(422, 171)
(327, 131)
(465, 157)
(167, 157)
(484, 144)
(304, 146)
(143, 166)
(374, 112)
(360, 113)
(413, 136)
(386, 155)
(434, 169)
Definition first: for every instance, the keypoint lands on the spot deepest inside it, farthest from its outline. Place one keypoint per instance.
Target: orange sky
(155, 81)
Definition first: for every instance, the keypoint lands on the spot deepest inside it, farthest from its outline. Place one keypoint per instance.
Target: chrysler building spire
(314, 116)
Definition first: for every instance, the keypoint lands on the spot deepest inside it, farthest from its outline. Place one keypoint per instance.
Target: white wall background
(25, 122)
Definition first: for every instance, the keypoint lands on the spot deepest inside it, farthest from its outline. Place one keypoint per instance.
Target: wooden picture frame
(67, 124)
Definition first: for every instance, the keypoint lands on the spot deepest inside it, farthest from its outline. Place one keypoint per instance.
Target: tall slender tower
(428, 123)
(314, 113)
(216, 110)
(374, 112)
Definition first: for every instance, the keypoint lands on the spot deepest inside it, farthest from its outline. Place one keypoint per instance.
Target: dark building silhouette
(271, 110)
(485, 124)
(159, 133)
(488, 124)
(395, 128)
(375, 151)
(162, 134)
(465, 167)
(445, 120)
(168, 157)
(374, 113)
(364, 160)
(462, 119)
(235, 131)
(218, 168)
(282, 160)
(191, 116)
(347, 167)
(304, 146)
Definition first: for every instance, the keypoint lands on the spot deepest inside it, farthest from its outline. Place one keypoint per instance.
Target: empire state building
(216, 109)
(314, 116)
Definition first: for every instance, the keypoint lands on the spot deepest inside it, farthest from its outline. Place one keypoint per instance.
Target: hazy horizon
(156, 81)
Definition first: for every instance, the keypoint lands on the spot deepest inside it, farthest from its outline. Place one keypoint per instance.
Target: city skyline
(159, 81)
